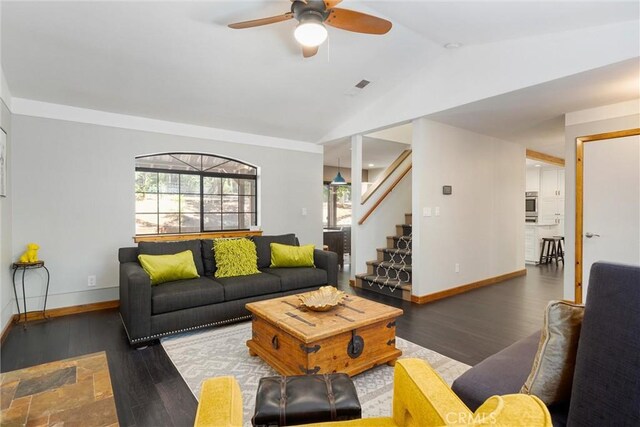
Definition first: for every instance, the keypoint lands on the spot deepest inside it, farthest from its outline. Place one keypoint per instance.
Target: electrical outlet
(91, 281)
(304, 211)
(457, 268)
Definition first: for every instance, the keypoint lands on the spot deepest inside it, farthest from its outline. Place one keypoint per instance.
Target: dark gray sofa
(150, 312)
(606, 383)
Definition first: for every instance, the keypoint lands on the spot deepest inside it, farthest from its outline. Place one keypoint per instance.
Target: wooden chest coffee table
(351, 338)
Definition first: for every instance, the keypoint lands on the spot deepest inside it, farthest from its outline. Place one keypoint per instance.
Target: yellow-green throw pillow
(167, 268)
(235, 257)
(291, 256)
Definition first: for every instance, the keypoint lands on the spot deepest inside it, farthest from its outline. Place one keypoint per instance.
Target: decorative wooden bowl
(324, 299)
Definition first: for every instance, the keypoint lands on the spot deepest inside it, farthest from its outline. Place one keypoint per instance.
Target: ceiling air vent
(362, 84)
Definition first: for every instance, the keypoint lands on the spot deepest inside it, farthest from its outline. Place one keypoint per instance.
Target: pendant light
(338, 180)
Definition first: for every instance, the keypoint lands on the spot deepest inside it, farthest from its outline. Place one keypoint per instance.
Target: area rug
(67, 392)
(223, 351)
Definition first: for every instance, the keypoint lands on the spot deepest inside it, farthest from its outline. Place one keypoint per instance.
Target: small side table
(24, 266)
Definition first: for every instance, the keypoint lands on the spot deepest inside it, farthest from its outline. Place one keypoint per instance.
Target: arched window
(194, 193)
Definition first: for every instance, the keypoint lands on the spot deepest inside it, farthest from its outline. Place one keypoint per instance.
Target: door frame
(580, 141)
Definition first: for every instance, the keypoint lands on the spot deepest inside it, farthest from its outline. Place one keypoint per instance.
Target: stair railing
(384, 176)
(389, 190)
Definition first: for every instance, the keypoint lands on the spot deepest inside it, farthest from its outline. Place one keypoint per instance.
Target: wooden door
(607, 202)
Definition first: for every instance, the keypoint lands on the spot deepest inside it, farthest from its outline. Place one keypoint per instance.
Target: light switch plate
(426, 211)
(437, 210)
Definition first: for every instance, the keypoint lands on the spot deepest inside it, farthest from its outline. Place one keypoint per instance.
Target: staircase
(390, 274)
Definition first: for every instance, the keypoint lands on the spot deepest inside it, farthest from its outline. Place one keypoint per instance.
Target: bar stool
(549, 250)
(560, 248)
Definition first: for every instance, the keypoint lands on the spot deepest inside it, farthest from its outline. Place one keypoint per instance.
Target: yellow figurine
(31, 254)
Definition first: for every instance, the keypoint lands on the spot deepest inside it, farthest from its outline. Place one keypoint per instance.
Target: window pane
(163, 161)
(146, 203)
(190, 223)
(190, 203)
(325, 205)
(247, 186)
(210, 162)
(212, 222)
(146, 224)
(229, 186)
(212, 203)
(229, 204)
(248, 220)
(248, 204)
(230, 221)
(343, 205)
(212, 185)
(233, 167)
(189, 161)
(190, 184)
(146, 182)
(168, 182)
(169, 203)
(168, 223)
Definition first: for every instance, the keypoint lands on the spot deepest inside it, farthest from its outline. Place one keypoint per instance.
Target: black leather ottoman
(304, 399)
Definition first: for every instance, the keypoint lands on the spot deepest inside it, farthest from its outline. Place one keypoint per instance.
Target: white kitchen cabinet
(533, 234)
(533, 179)
(552, 183)
(551, 200)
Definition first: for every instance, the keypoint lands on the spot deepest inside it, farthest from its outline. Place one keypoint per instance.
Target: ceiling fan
(312, 15)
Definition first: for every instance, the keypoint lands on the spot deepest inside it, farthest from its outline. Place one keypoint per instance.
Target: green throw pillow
(167, 268)
(291, 256)
(235, 257)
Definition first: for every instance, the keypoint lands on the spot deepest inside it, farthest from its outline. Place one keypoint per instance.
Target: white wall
(73, 189)
(6, 289)
(481, 225)
(497, 68)
(382, 222)
(581, 123)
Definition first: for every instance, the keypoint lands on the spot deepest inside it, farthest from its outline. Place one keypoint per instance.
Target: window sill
(194, 236)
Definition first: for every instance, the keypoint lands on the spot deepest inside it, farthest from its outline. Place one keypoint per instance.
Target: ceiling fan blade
(331, 3)
(357, 22)
(262, 21)
(308, 52)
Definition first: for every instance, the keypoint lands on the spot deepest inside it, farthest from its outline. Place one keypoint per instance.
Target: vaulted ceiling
(178, 61)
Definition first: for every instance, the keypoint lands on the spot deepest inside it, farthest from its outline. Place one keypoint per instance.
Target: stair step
(400, 292)
(392, 265)
(408, 218)
(403, 229)
(385, 282)
(399, 242)
(389, 270)
(400, 256)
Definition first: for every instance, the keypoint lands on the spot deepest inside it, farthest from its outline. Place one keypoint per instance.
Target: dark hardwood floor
(150, 392)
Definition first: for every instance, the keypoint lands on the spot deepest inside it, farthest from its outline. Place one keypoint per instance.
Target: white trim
(5, 93)
(621, 109)
(48, 110)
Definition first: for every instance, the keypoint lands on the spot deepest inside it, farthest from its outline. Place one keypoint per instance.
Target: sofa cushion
(263, 246)
(552, 372)
(298, 278)
(248, 286)
(503, 373)
(208, 257)
(235, 257)
(168, 248)
(606, 381)
(168, 268)
(291, 256)
(181, 294)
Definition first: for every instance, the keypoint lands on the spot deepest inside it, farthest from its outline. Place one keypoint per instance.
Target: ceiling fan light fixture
(310, 32)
